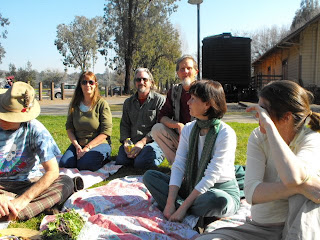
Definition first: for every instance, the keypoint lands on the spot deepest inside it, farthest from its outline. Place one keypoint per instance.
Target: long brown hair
(78, 94)
(287, 96)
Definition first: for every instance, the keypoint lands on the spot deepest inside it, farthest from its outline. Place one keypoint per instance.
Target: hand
(7, 207)
(136, 150)
(82, 152)
(180, 127)
(78, 150)
(178, 215)
(262, 115)
(311, 189)
(19, 204)
(126, 149)
(169, 210)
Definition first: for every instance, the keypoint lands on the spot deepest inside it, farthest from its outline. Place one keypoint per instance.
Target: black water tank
(227, 59)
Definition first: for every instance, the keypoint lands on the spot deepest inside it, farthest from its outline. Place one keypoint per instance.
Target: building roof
(288, 40)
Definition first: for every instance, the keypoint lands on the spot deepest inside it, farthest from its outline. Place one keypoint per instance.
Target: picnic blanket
(124, 209)
(233, 221)
(90, 178)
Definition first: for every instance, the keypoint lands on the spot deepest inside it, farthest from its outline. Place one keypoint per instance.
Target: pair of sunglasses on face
(85, 82)
(139, 79)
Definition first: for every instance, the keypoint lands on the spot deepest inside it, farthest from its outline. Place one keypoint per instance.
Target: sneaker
(78, 183)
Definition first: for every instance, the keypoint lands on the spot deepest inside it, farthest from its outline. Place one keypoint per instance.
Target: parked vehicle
(68, 91)
(115, 90)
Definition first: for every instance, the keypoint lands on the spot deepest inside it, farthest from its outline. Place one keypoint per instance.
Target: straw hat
(18, 103)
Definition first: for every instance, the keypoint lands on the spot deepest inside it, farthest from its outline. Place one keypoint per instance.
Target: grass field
(56, 126)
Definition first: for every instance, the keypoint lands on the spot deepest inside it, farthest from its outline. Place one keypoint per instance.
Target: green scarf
(194, 168)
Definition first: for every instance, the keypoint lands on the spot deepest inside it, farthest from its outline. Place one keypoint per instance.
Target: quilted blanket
(90, 178)
(233, 221)
(124, 209)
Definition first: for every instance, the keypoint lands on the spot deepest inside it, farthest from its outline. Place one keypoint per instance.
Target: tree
(48, 76)
(264, 39)
(158, 50)
(26, 74)
(3, 23)
(308, 9)
(12, 69)
(128, 21)
(78, 42)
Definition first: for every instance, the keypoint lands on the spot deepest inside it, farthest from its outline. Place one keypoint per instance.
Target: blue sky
(33, 24)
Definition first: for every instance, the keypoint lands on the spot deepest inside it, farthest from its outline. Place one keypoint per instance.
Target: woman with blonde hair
(89, 127)
(281, 180)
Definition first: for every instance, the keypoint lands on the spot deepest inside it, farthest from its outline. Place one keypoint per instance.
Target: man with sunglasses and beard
(175, 112)
(140, 113)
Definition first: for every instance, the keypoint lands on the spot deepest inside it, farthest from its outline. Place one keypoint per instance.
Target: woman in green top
(89, 127)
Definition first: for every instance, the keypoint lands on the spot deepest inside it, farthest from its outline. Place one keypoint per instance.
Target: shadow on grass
(130, 171)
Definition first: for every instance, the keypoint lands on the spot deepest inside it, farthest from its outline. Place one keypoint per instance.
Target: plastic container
(128, 144)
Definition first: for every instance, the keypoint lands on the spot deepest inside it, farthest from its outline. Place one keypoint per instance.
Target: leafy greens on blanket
(66, 226)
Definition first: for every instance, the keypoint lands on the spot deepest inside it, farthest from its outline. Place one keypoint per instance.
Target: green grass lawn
(116, 107)
(56, 126)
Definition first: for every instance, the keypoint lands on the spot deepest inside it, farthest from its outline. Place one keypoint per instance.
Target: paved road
(235, 110)
(61, 108)
(54, 109)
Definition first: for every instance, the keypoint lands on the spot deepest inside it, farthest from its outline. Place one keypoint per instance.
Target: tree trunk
(128, 57)
(128, 64)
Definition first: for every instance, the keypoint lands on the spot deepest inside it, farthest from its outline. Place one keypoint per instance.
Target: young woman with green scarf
(202, 181)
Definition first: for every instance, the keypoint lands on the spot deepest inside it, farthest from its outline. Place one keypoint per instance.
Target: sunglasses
(139, 79)
(85, 82)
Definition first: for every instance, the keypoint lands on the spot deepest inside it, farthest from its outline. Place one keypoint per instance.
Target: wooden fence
(108, 91)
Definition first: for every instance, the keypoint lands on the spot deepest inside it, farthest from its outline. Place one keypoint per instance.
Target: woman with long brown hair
(89, 127)
(281, 180)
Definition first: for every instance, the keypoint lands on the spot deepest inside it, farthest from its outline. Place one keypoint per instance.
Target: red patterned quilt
(123, 209)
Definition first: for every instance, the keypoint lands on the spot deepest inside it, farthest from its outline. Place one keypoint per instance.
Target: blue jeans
(92, 160)
(213, 203)
(150, 156)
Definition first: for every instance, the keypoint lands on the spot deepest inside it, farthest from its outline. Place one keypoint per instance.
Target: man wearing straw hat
(25, 144)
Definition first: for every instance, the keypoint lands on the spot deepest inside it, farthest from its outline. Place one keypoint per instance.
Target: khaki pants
(303, 219)
(167, 139)
(247, 231)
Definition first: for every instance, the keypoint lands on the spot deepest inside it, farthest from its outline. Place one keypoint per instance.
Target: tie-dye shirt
(22, 150)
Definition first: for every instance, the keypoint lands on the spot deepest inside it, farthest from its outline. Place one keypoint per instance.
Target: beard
(187, 82)
(142, 89)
